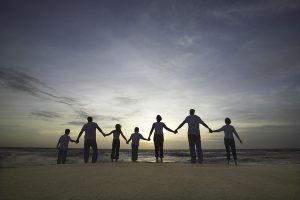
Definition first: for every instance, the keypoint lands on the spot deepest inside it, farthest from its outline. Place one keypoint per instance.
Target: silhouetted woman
(157, 127)
(116, 142)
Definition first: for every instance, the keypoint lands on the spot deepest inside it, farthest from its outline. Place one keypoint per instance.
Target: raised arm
(237, 135)
(151, 131)
(123, 136)
(168, 129)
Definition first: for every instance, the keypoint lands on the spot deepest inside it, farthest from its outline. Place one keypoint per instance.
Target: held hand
(211, 131)
(175, 131)
(148, 139)
(77, 141)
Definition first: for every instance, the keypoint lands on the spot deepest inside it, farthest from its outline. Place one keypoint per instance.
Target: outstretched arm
(152, 129)
(168, 129)
(181, 125)
(237, 135)
(142, 137)
(79, 135)
(108, 133)
(100, 130)
(129, 140)
(123, 136)
(72, 140)
(202, 122)
(218, 130)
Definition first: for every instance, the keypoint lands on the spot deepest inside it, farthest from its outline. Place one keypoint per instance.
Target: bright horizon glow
(126, 63)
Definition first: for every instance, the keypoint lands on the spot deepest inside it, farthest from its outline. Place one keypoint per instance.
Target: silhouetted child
(62, 147)
(116, 142)
(135, 137)
(229, 139)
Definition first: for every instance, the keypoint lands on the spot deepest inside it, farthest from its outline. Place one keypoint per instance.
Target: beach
(114, 181)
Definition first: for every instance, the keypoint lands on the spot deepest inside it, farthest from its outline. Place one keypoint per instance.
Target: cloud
(46, 114)
(77, 123)
(239, 10)
(19, 81)
(126, 100)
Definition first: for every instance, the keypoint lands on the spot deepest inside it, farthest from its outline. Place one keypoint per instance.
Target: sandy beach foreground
(112, 181)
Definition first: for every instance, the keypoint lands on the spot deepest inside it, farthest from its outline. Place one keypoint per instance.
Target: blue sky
(127, 61)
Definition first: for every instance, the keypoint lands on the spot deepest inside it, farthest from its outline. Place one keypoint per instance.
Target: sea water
(15, 157)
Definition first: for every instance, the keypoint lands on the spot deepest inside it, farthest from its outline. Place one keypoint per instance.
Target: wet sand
(116, 181)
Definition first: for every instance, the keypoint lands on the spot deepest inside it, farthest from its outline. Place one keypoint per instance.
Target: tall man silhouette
(194, 138)
(90, 139)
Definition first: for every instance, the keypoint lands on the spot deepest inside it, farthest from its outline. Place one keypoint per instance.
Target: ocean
(17, 157)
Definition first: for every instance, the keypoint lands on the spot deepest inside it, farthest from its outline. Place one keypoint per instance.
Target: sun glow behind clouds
(151, 58)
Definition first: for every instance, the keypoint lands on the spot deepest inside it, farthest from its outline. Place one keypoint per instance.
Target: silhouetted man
(90, 139)
(194, 135)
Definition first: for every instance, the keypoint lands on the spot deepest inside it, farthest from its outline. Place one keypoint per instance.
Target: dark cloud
(46, 114)
(22, 82)
(77, 123)
(19, 81)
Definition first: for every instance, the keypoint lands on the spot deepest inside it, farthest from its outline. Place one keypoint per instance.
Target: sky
(127, 61)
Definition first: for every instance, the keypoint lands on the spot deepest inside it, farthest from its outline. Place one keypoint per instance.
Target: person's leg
(199, 149)
(86, 152)
(191, 139)
(134, 152)
(233, 150)
(113, 150)
(95, 151)
(117, 149)
(137, 152)
(64, 156)
(227, 147)
(161, 147)
(156, 146)
(59, 157)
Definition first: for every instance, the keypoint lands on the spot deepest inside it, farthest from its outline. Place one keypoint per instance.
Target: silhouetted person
(62, 147)
(158, 127)
(90, 139)
(194, 138)
(135, 137)
(116, 142)
(229, 139)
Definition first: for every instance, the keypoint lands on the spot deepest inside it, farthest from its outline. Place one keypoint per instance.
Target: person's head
(227, 121)
(90, 119)
(136, 129)
(158, 118)
(192, 111)
(118, 127)
(67, 131)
